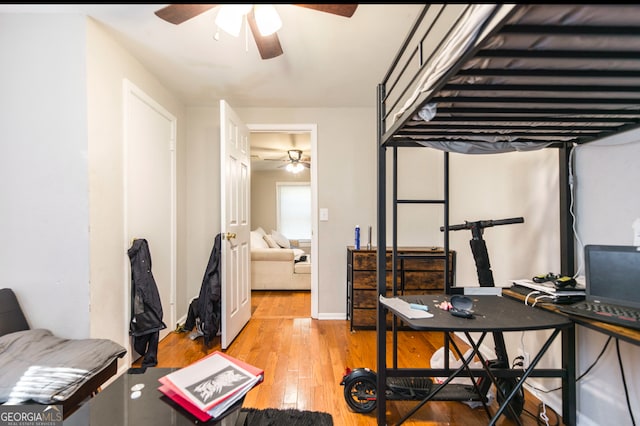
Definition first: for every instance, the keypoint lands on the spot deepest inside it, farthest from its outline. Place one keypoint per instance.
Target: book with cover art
(183, 402)
(211, 385)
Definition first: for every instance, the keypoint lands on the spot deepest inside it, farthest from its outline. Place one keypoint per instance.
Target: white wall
(63, 248)
(606, 181)
(346, 175)
(482, 187)
(264, 196)
(108, 65)
(203, 193)
(44, 220)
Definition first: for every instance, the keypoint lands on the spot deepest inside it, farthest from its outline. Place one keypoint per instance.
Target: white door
(235, 213)
(150, 201)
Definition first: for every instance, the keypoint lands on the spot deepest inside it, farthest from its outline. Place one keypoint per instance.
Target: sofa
(275, 265)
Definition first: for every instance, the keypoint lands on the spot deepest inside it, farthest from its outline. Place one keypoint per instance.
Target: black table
(114, 406)
(495, 314)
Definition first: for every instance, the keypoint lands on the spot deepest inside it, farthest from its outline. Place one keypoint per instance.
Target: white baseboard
(332, 316)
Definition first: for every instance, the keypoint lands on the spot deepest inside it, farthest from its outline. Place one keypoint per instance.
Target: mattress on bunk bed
(475, 29)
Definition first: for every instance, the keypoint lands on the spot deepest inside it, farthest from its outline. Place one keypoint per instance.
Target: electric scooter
(360, 384)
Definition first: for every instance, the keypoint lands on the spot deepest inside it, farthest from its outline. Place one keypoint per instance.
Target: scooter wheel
(516, 403)
(360, 393)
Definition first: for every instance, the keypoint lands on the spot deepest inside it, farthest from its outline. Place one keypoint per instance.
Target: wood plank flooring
(304, 361)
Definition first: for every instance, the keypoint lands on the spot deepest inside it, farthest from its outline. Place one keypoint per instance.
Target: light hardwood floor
(304, 361)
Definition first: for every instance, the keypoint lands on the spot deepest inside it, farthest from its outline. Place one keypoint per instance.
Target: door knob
(230, 235)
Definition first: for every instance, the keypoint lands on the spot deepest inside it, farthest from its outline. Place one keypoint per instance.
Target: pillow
(271, 242)
(260, 231)
(280, 239)
(297, 253)
(257, 240)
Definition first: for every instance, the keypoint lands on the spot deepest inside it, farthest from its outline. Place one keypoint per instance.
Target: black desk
(114, 406)
(496, 314)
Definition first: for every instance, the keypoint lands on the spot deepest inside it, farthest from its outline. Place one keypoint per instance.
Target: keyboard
(613, 314)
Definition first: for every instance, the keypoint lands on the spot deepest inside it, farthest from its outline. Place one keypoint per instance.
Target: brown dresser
(420, 271)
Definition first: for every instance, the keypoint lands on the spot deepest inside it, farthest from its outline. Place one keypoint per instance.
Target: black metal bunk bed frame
(579, 90)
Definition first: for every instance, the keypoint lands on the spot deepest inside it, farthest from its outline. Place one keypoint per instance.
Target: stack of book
(548, 292)
(209, 387)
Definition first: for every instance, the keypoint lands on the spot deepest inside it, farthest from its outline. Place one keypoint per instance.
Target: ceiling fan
(295, 163)
(268, 43)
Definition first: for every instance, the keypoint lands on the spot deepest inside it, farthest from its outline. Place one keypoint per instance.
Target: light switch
(324, 214)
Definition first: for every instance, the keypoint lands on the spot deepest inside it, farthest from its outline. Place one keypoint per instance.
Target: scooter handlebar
(484, 223)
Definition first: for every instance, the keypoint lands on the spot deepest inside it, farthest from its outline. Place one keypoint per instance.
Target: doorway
(292, 135)
(150, 194)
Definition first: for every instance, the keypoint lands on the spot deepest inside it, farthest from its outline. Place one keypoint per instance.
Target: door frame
(312, 129)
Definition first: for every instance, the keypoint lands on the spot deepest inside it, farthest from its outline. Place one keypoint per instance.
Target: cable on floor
(542, 406)
(543, 418)
(604, 348)
(624, 383)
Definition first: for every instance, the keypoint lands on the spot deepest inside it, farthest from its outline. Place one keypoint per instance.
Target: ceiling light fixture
(267, 19)
(231, 16)
(294, 167)
(295, 155)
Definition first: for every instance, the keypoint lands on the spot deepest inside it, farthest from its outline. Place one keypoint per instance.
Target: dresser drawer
(419, 271)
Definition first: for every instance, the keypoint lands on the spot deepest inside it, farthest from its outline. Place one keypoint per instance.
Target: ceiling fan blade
(178, 13)
(268, 46)
(346, 10)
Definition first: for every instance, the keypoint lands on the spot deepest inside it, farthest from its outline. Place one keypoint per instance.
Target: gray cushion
(11, 317)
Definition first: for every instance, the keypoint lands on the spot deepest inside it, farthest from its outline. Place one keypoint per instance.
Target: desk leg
(464, 366)
(569, 376)
(494, 380)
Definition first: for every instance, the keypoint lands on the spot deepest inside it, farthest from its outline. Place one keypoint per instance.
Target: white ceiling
(328, 60)
(269, 149)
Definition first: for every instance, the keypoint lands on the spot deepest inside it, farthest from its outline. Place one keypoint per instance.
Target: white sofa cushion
(280, 239)
(275, 269)
(272, 255)
(257, 240)
(270, 241)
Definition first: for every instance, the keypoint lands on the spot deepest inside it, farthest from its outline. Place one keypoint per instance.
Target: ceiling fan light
(230, 17)
(267, 19)
(294, 167)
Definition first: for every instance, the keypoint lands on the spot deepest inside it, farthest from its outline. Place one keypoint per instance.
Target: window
(293, 200)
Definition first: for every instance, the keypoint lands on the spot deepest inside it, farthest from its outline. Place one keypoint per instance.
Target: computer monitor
(612, 274)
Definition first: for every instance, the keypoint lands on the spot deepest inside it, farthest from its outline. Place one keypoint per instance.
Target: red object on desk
(169, 389)
(184, 403)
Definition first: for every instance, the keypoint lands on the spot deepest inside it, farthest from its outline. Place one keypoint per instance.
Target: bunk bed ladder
(395, 256)
(381, 324)
(444, 202)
